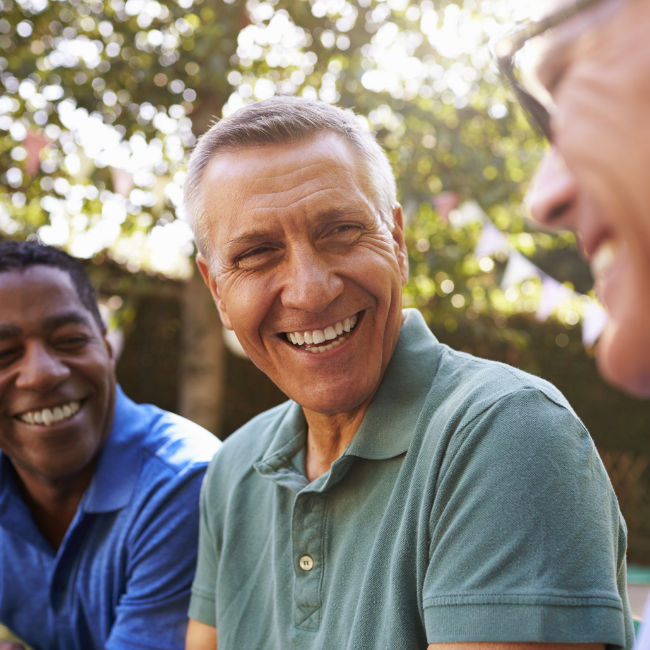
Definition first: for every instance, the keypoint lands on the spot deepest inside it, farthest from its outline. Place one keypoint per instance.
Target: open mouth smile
(48, 417)
(317, 341)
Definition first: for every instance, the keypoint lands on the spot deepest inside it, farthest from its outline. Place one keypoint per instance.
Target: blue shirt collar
(114, 478)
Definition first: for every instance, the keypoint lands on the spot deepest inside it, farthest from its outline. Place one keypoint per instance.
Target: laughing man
(98, 495)
(408, 496)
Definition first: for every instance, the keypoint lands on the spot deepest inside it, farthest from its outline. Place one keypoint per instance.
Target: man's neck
(53, 504)
(328, 436)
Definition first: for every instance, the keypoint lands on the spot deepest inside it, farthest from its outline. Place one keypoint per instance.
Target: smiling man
(98, 495)
(589, 93)
(408, 496)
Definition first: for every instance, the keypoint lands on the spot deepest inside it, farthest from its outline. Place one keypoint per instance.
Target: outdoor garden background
(102, 101)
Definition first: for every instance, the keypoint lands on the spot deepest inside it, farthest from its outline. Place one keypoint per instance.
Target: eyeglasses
(508, 45)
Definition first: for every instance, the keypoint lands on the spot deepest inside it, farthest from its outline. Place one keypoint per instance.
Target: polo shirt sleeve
(203, 599)
(161, 559)
(526, 540)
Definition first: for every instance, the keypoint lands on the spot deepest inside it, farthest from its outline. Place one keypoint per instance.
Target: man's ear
(111, 354)
(398, 236)
(211, 283)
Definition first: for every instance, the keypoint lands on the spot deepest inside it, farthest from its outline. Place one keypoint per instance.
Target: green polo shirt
(470, 506)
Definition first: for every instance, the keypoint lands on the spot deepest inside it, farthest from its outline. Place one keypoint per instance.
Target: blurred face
(594, 180)
(304, 271)
(57, 387)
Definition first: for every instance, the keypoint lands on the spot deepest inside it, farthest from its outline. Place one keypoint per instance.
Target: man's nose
(40, 369)
(552, 196)
(311, 283)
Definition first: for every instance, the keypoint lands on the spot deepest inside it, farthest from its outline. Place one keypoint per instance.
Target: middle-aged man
(589, 92)
(408, 496)
(98, 495)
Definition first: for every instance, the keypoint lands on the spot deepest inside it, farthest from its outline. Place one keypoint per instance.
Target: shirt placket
(308, 554)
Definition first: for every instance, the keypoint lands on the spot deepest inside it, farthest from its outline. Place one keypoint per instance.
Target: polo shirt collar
(116, 473)
(388, 425)
(113, 481)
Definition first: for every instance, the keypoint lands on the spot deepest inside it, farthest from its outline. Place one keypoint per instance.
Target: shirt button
(306, 563)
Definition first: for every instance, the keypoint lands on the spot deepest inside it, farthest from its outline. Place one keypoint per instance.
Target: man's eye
(255, 252)
(346, 232)
(256, 257)
(72, 342)
(8, 355)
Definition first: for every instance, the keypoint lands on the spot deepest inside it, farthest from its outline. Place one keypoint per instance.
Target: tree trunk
(202, 358)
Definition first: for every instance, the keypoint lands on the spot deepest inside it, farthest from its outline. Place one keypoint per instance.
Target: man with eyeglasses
(592, 102)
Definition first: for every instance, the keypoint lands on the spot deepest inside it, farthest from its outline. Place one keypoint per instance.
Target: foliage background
(101, 102)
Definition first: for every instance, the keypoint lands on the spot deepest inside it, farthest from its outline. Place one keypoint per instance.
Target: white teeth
(603, 258)
(330, 333)
(51, 416)
(334, 333)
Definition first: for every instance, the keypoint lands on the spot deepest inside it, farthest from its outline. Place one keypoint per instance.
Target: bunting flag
(467, 212)
(492, 241)
(518, 270)
(445, 202)
(553, 294)
(122, 181)
(34, 143)
(594, 320)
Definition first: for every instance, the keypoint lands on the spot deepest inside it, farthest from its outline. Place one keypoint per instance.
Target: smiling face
(303, 269)
(594, 180)
(57, 386)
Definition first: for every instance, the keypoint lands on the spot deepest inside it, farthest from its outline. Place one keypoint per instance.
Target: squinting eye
(257, 251)
(72, 342)
(346, 230)
(257, 257)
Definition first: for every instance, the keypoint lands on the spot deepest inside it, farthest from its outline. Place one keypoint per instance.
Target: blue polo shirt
(121, 578)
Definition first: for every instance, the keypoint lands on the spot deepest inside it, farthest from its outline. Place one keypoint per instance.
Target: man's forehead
(54, 286)
(301, 179)
(273, 162)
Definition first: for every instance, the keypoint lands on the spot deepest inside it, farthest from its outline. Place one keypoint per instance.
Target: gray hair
(281, 120)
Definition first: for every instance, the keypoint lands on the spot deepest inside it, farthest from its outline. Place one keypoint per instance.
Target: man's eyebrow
(66, 318)
(9, 331)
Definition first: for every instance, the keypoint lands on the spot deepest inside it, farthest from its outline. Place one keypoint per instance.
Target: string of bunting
(519, 268)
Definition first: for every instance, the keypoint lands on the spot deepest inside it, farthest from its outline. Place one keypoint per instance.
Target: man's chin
(624, 359)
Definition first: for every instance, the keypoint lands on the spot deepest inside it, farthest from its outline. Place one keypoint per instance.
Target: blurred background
(102, 101)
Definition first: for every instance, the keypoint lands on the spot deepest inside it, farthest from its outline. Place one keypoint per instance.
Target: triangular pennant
(594, 320)
(553, 293)
(519, 268)
(491, 241)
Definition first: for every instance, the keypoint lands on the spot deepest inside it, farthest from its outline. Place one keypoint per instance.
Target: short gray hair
(280, 120)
